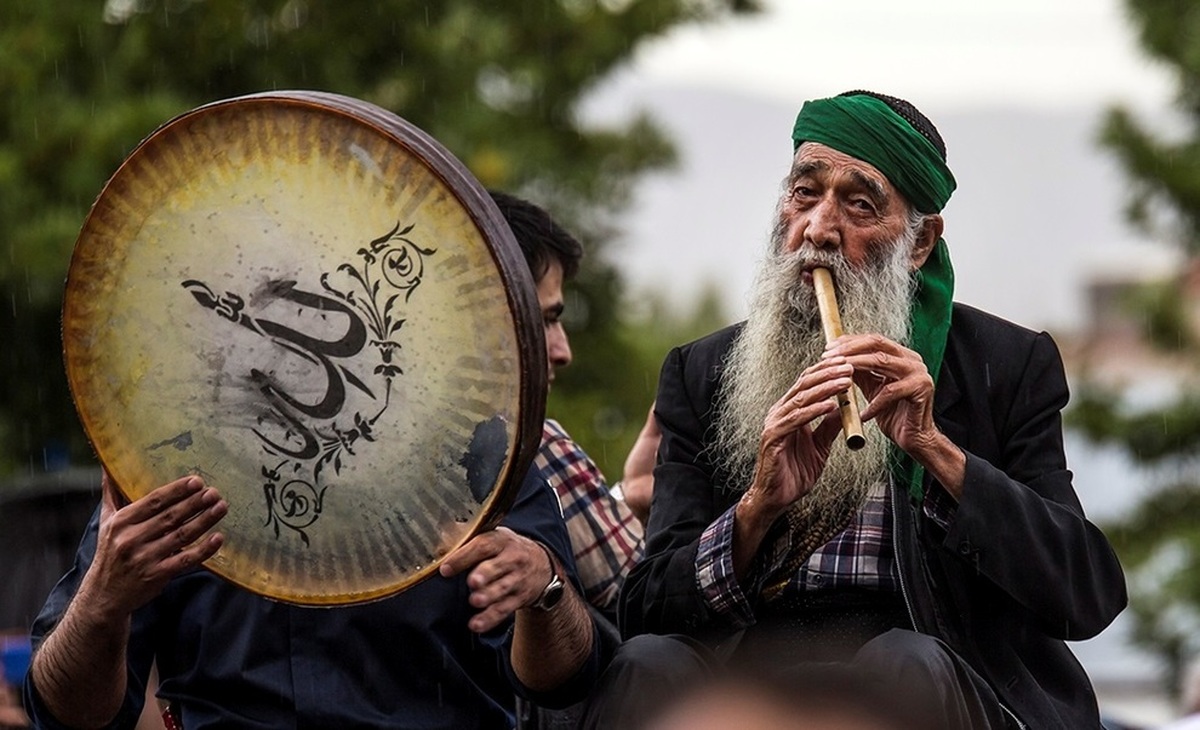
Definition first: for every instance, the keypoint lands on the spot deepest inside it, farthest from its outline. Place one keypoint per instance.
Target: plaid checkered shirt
(605, 535)
(860, 556)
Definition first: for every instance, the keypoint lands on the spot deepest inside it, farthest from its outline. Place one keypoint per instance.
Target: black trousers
(902, 678)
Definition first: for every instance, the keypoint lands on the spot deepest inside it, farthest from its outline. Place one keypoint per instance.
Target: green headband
(869, 130)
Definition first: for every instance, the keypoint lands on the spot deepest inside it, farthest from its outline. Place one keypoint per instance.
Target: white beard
(783, 336)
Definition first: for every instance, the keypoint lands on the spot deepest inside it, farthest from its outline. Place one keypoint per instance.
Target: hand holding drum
(831, 324)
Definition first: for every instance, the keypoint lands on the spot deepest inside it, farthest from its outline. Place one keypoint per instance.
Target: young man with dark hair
(605, 535)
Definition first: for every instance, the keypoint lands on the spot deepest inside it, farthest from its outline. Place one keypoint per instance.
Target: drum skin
(313, 305)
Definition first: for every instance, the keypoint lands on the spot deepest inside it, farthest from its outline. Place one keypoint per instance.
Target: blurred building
(1112, 348)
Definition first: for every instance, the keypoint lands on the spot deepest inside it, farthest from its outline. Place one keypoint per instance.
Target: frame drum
(313, 305)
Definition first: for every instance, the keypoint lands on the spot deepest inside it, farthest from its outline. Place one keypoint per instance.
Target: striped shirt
(605, 536)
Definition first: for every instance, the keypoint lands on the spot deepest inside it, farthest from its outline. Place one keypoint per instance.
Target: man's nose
(823, 228)
(558, 348)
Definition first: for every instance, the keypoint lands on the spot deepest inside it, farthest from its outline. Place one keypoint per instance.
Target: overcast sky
(950, 53)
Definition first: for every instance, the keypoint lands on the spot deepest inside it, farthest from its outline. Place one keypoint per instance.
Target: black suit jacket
(1020, 568)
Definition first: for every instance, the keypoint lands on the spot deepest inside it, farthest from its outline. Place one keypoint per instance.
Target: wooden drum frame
(313, 305)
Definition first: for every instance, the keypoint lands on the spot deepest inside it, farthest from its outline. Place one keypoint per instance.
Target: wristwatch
(553, 592)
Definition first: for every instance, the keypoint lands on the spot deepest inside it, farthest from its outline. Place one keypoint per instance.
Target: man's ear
(927, 238)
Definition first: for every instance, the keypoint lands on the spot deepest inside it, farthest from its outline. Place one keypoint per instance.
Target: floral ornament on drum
(310, 436)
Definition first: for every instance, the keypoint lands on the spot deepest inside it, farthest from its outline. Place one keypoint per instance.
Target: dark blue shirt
(229, 658)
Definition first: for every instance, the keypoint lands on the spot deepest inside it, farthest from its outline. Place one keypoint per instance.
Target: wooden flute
(831, 324)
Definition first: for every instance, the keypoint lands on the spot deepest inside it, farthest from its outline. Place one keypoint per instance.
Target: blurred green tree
(498, 83)
(1159, 541)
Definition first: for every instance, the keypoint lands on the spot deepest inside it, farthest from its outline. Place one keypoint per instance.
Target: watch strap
(553, 591)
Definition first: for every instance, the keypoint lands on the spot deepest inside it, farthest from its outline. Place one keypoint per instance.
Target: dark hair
(540, 238)
(806, 691)
(911, 114)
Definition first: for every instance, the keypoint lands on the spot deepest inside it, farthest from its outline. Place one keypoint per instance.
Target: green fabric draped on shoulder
(867, 129)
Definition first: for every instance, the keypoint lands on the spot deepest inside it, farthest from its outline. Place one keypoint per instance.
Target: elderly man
(951, 554)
